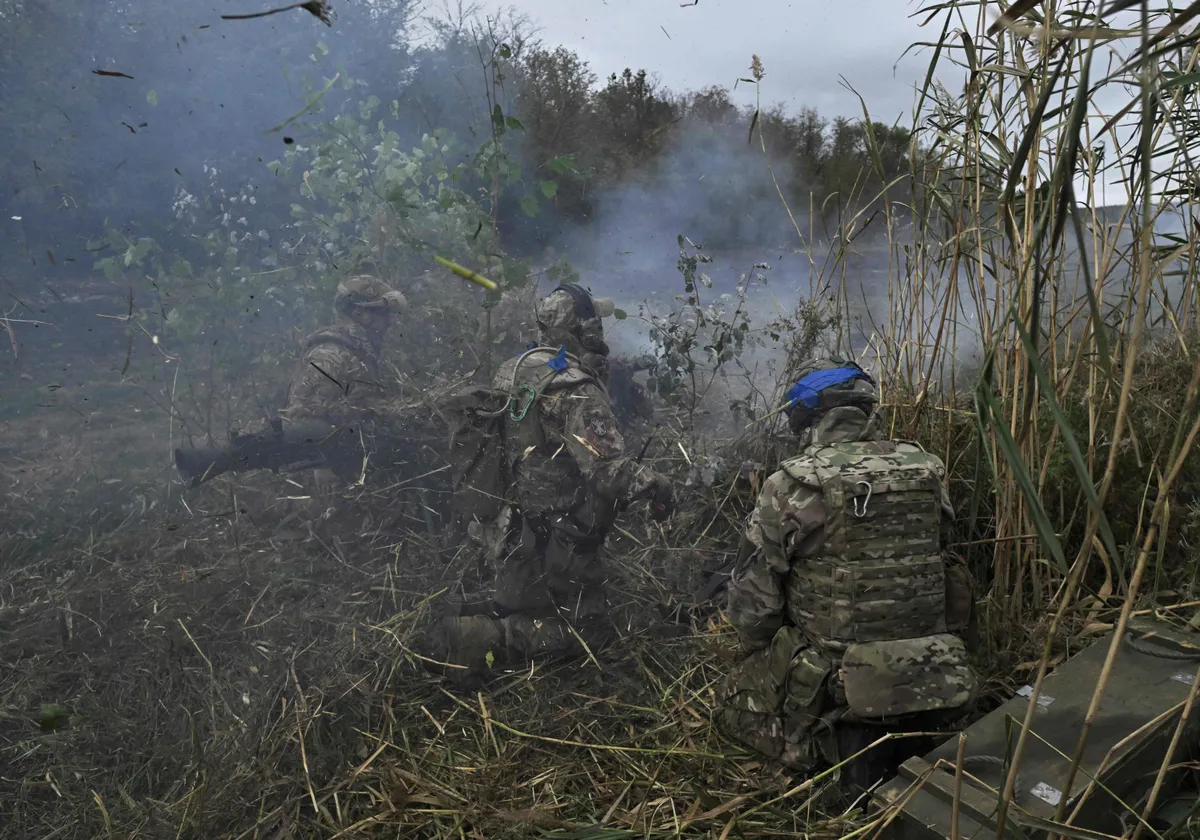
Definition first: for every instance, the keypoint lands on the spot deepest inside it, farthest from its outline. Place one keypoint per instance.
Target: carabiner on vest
(860, 513)
(519, 414)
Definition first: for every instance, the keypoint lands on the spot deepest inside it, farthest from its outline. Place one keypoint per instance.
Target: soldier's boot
(554, 638)
(460, 603)
(464, 647)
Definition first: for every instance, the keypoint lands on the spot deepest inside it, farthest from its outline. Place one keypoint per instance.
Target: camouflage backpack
(875, 598)
(488, 421)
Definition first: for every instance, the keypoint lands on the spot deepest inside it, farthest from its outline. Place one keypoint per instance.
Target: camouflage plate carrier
(874, 601)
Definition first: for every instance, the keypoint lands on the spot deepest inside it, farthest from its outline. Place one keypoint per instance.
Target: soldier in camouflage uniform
(569, 477)
(847, 609)
(513, 323)
(337, 380)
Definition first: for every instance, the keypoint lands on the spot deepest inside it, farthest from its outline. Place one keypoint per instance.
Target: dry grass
(232, 684)
(217, 679)
(221, 675)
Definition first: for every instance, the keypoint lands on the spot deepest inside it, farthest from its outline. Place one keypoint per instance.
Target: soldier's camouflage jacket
(845, 602)
(847, 545)
(566, 454)
(337, 380)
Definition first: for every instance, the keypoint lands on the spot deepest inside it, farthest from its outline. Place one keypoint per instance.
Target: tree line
(86, 152)
(631, 129)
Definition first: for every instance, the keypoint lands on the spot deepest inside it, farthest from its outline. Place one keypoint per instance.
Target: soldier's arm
(591, 438)
(757, 589)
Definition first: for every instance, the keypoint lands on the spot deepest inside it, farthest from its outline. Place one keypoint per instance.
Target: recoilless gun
(278, 447)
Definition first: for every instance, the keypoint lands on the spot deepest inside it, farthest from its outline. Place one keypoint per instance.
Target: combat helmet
(570, 316)
(571, 308)
(363, 291)
(825, 384)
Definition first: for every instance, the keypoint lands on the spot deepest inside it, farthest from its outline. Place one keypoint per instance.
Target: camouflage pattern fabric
(773, 701)
(570, 478)
(885, 679)
(567, 455)
(840, 566)
(560, 324)
(337, 380)
(879, 573)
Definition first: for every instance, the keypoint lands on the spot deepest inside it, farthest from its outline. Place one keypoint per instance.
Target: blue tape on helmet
(559, 362)
(808, 390)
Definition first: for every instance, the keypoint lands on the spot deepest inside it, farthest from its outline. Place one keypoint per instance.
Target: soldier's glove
(662, 502)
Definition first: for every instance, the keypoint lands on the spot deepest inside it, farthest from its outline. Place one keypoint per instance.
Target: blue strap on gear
(808, 390)
(559, 362)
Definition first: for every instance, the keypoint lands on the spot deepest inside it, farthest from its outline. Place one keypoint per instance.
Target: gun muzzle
(199, 465)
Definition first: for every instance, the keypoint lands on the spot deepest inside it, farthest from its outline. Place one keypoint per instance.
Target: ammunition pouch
(806, 695)
(890, 679)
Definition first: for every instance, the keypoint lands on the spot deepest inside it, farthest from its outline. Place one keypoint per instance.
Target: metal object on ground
(1151, 681)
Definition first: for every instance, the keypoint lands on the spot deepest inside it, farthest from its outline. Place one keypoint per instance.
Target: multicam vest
(873, 600)
(880, 575)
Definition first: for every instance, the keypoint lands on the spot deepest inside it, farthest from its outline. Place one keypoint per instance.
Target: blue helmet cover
(808, 390)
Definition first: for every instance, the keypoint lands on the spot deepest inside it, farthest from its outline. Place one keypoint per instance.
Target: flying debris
(319, 9)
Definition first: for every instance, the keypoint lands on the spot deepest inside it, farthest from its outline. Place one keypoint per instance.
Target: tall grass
(1076, 444)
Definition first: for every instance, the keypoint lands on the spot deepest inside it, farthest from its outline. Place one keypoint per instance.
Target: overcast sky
(804, 44)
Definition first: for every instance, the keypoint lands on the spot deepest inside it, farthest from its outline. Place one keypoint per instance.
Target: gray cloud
(805, 46)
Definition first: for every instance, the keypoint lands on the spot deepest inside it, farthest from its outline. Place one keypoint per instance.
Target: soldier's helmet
(570, 315)
(571, 308)
(824, 384)
(363, 291)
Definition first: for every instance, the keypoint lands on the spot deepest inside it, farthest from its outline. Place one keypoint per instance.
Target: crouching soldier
(566, 478)
(337, 382)
(847, 609)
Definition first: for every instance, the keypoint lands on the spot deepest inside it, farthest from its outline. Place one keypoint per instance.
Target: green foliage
(695, 341)
(222, 307)
(229, 309)
(626, 130)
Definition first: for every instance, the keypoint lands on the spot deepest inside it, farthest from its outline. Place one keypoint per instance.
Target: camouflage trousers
(548, 601)
(788, 700)
(775, 700)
